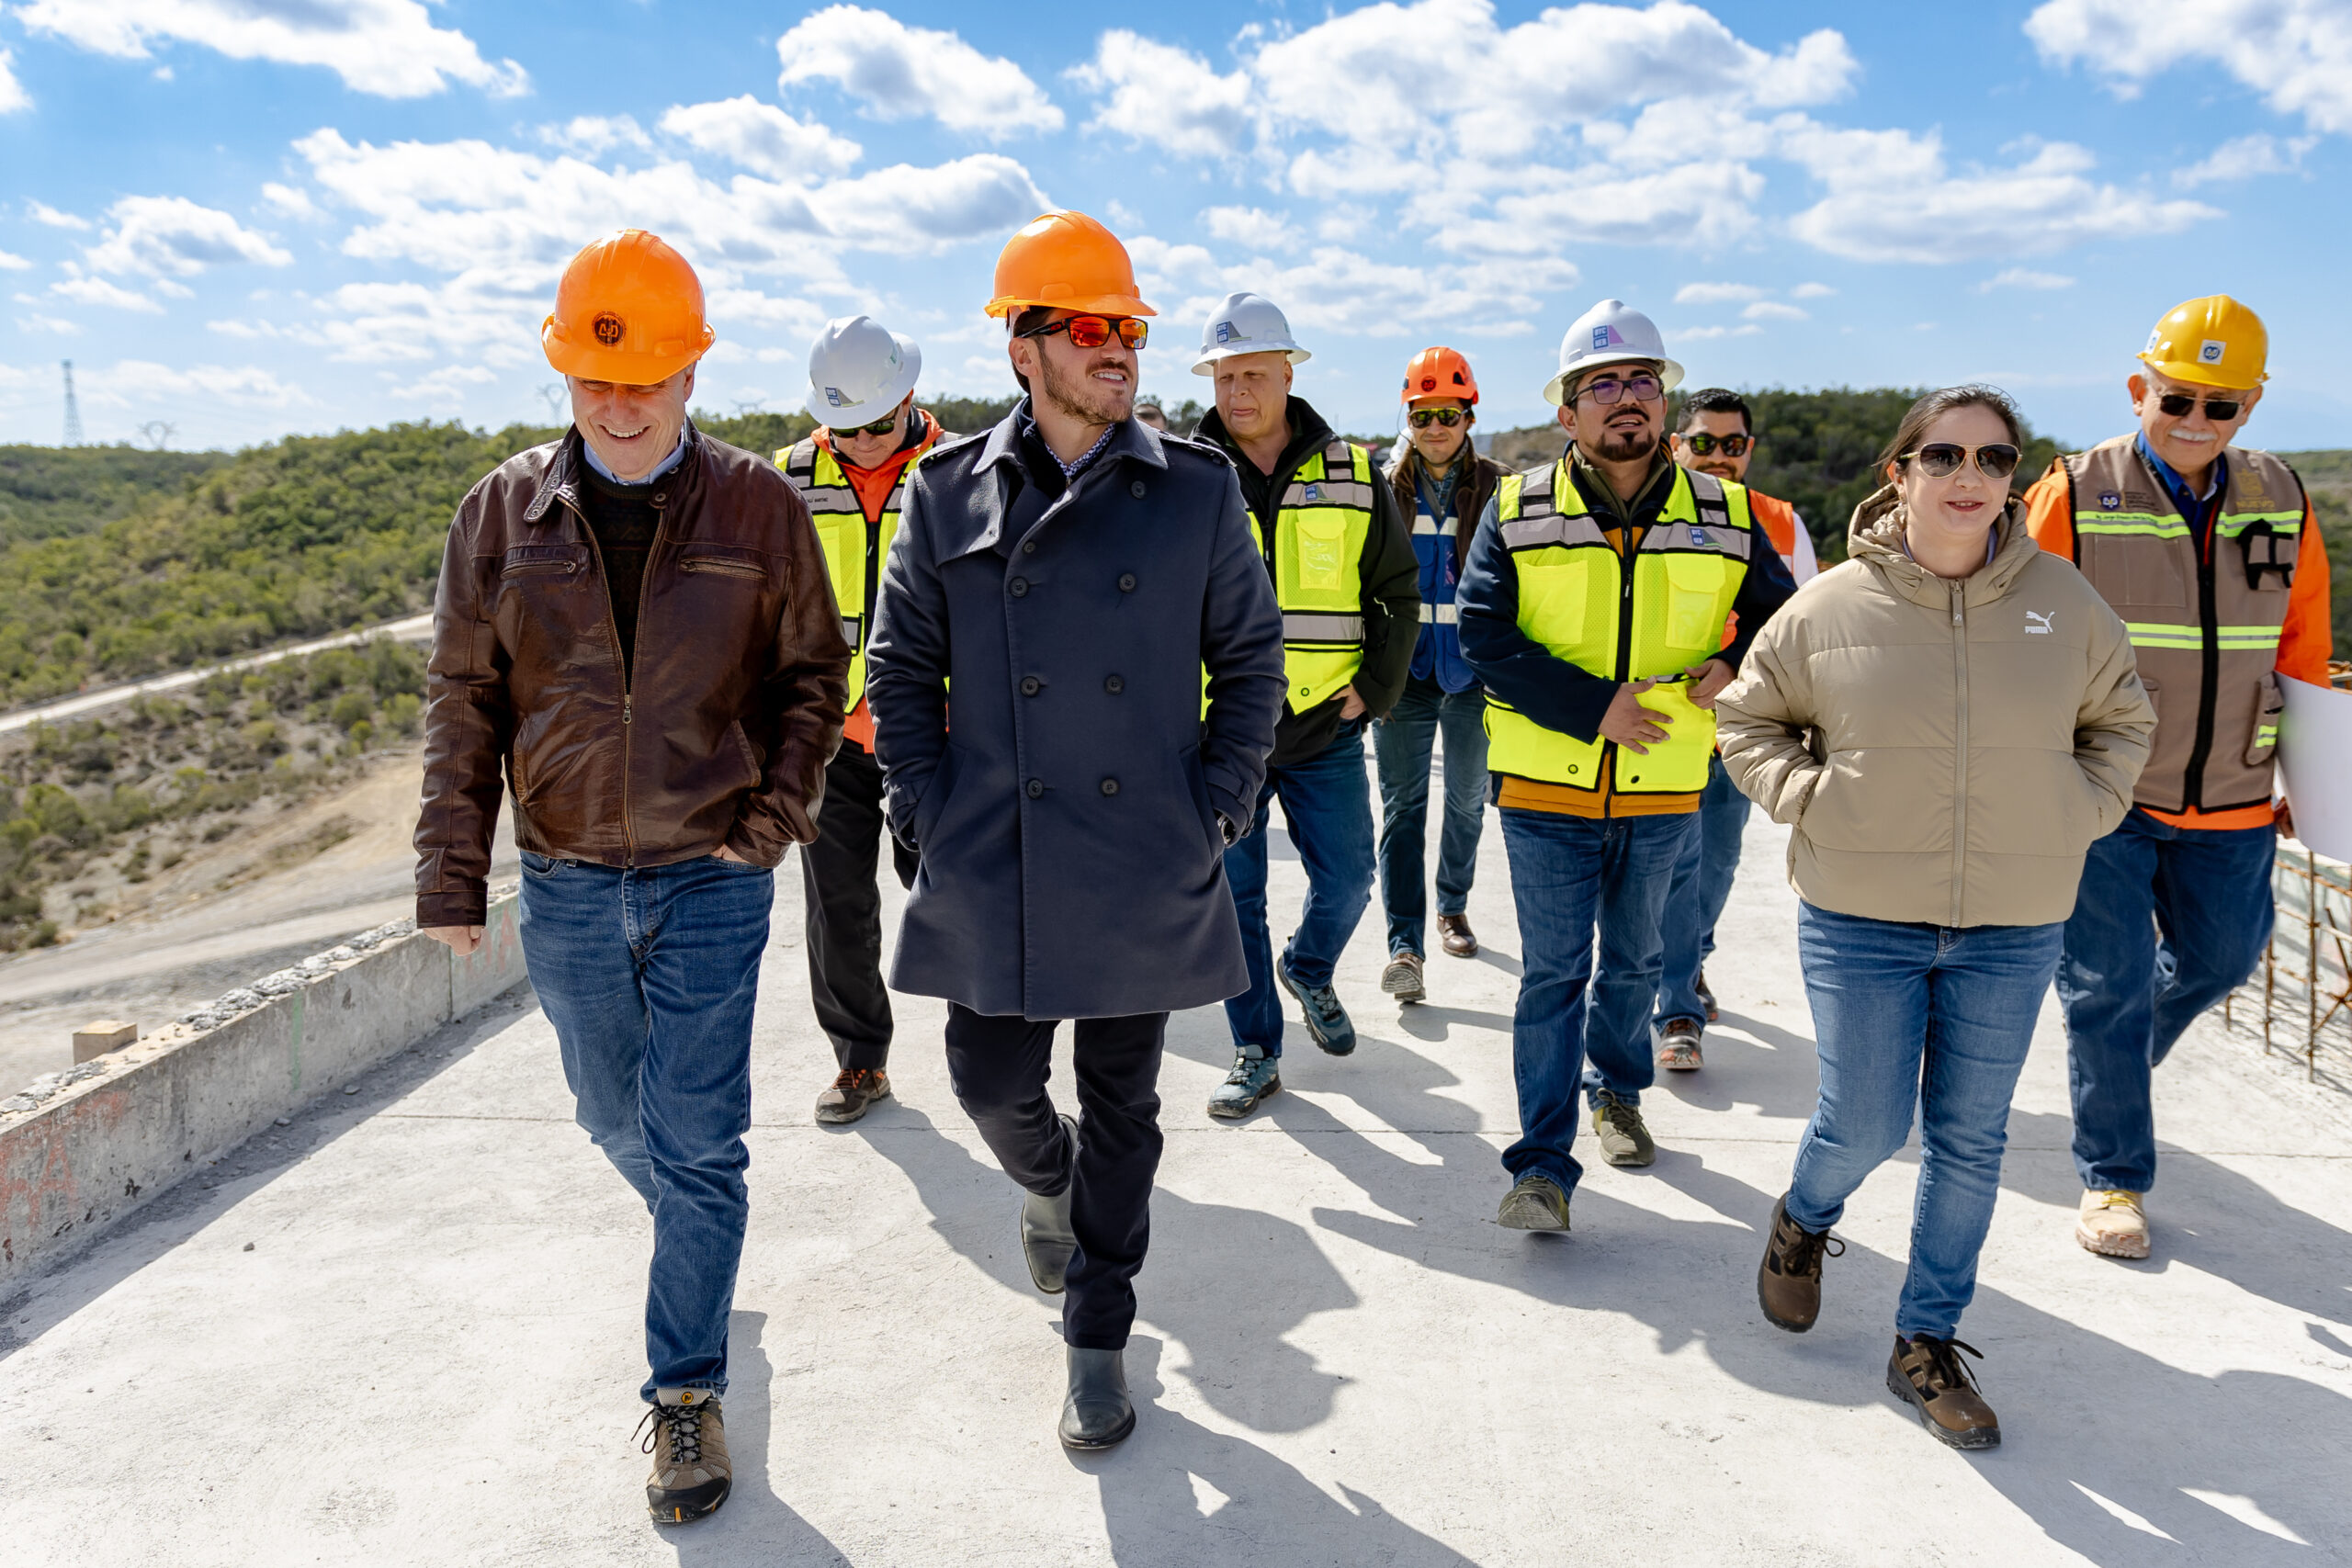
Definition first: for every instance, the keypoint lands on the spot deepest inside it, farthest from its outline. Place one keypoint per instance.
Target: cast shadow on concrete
(1433, 1025)
(1750, 1061)
(1178, 1493)
(756, 1527)
(1234, 1341)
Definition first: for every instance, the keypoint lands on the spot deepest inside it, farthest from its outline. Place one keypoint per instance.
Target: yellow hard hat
(2211, 342)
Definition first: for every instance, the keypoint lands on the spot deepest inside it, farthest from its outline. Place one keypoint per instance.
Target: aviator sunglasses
(882, 426)
(1093, 332)
(1731, 445)
(2220, 411)
(1449, 418)
(1939, 458)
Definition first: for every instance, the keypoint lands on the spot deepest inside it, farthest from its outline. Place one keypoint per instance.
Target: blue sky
(242, 218)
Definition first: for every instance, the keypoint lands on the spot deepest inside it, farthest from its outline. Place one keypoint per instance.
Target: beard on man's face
(1084, 397)
(1635, 444)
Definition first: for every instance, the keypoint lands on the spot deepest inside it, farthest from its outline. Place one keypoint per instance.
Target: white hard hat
(858, 371)
(1245, 323)
(1610, 334)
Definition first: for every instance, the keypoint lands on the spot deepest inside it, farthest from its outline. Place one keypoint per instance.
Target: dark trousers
(845, 928)
(999, 1067)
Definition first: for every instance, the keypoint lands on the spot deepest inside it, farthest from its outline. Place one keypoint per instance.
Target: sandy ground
(228, 913)
(405, 1329)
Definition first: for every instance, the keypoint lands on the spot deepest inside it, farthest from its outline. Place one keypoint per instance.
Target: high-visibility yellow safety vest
(1320, 529)
(2205, 629)
(853, 549)
(1576, 598)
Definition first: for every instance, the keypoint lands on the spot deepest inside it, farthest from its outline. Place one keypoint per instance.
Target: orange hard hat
(1069, 262)
(1439, 373)
(628, 310)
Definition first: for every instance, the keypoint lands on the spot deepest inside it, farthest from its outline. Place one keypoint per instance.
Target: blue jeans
(2169, 920)
(1928, 1015)
(1694, 900)
(1401, 742)
(1328, 808)
(1577, 1021)
(649, 976)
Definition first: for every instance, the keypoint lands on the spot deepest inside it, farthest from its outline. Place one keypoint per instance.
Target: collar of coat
(567, 470)
(979, 525)
(1875, 538)
(1309, 433)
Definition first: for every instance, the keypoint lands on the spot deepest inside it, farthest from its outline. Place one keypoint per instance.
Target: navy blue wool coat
(1071, 862)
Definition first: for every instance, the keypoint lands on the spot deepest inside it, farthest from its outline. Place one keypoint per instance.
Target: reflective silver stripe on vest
(826, 499)
(1437, 615)
(1710, 538)
(1532, 533)
(1425, 525)
(1328, 492)
(1708, 499)
(849, 625)
(1322, 628)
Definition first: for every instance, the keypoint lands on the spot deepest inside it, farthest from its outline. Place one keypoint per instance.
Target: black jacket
(1390, 571)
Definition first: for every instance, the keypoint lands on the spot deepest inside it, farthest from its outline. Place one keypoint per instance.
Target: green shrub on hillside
(49, 491)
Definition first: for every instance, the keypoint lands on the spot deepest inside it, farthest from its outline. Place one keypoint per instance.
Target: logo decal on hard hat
(1429, 383)
(609, 328)
(2109, 501)
(2209, 351)
(837, 398)
(1227, 333)
(1606, 337)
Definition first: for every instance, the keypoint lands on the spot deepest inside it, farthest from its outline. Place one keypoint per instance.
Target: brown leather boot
(1928, 1373)
(1453, 934)
(1788, 1282)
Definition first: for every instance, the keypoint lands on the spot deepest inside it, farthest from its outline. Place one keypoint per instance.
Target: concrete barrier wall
(78, 1154)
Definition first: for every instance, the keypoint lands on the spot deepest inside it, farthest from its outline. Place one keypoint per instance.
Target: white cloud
(1716, 293)
(388, 48)
(905, 206)
(2245, 158)
(1706, 334)
(170, 236)
(12, 96)
(900, 72)
(443, 389)
(1812, 291)
(1252, 227)
(98, 291)
(41, 212)
(289, 200)
(1774, 310)
(129, 381)
(2296, 53)
(1891, 199)
(761, 138)
(2024, 277)
(1158, 95)
(57, 325)
(591, 134)
(11, 262)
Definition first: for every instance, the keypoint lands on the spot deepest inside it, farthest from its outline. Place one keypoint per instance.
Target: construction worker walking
(1072, 572)
(632, 630)
(1593, 606)
(1345, 576)
(1442, 484)
(2211, 554)
(850, 472)
(1717, 436)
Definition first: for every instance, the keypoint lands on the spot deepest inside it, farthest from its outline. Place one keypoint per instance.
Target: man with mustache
(1717, 436)
(1064, 581)
(2211, 554)
(1593, 605)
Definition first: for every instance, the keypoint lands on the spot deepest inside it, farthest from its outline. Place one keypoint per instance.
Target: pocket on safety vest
(1319, 549)
(2263, 743)
(1555, 597)
(1694, 603)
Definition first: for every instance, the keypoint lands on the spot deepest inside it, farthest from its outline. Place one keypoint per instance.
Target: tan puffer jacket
(1946, 752)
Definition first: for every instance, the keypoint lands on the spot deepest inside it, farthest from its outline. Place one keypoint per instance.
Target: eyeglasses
(1609, 388)
(1093, 332)
(2219, 410)
(1939, 458)
(1449, 418)
(882, 426)
(1733, 446)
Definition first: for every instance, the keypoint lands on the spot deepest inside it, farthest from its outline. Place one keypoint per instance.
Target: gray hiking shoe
(1624, 1139)
(1255, 1076)
(1326, 1022)
(1534, 1203)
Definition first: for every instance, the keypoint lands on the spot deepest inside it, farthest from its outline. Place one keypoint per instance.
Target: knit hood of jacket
(1875, 537)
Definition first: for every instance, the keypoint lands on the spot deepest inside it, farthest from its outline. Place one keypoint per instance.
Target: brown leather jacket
(740, 679)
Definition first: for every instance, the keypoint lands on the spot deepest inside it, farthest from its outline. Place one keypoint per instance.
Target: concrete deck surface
(406, 1329)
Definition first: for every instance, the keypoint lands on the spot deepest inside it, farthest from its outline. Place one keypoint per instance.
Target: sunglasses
(1609, 388)
(1731, 445)
(882, 426)
(1422, 418)
(2219, 410)
(1939, 459)
(1093, 332)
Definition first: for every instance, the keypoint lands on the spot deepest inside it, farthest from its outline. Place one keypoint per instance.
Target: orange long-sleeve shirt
(2304, 642)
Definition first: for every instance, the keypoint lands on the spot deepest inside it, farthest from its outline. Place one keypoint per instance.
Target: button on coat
(1072, 865)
